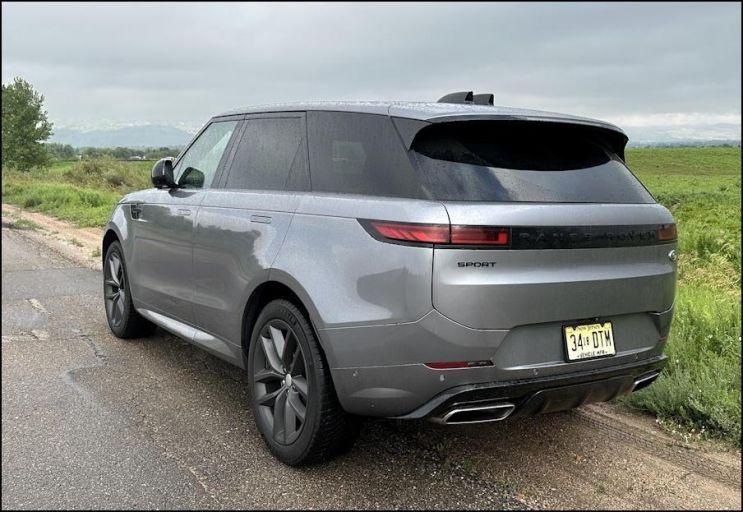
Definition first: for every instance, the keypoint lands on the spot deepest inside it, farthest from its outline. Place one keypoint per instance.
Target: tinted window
(358, 154)
(522, 162)
(271, 156)
(197, 167)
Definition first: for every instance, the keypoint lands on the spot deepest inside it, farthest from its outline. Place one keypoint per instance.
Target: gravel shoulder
(90, 421)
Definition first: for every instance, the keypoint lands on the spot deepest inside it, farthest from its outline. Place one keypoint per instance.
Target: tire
(326, 430)
(123, 319)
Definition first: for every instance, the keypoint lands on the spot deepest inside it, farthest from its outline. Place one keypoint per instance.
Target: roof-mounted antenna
(457, 97)
(483, 99)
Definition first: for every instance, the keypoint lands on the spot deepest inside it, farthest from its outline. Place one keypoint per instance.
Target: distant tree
(95, 152)
(59, 151)
(25, 126)
(162, 152)
(122, 153)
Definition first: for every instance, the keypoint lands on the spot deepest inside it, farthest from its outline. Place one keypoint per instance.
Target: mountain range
(144, 136)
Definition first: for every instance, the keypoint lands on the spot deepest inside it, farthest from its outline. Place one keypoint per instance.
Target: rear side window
(515, 161)
(358, 154)
(271, 155)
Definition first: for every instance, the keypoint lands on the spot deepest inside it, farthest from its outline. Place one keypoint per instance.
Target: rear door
(242, 223)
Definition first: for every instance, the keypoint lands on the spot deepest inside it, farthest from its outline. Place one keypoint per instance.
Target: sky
(670, 68)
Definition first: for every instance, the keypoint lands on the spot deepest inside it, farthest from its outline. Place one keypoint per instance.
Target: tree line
(64, 152)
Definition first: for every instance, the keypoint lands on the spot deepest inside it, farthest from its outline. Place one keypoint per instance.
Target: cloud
(181, 63)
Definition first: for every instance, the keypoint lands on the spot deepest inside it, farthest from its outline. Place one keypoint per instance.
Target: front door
(163, 229)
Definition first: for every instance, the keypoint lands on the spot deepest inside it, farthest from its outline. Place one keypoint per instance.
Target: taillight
(442, 234)
(479, 235)
(423, 233)
(667, 233)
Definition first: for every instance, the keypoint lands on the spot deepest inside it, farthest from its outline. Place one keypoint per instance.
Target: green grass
(25, 224)
(700, 388)
(83, 192)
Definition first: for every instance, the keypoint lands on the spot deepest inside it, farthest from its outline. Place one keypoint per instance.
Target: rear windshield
(516, 161)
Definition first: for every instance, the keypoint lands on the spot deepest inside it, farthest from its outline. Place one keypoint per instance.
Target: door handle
(184, 211)
(135, 210)
(262, 219)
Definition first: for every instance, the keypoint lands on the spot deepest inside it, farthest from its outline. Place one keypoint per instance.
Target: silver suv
(453, 261)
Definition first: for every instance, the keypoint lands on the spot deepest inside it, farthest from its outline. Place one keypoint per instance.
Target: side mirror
(162, 173)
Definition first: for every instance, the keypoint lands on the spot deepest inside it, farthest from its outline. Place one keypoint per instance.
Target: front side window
(196, 168)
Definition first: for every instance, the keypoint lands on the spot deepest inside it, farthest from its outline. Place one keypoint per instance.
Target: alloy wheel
(280, 381)
(115, 288)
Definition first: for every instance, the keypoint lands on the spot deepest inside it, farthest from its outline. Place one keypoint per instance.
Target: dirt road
(92, 421)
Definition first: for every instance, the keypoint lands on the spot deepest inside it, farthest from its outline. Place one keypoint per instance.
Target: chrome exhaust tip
(644, 381)
(476, 414)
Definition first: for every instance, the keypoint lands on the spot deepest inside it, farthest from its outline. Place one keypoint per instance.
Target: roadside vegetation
(701, 386)
(83, 192)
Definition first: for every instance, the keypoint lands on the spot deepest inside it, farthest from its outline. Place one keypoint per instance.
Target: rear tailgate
(566, 262)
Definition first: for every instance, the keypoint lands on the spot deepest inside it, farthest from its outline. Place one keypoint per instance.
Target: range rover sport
(454, 261)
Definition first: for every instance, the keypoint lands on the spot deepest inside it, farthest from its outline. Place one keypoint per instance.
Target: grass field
(701, 386)
(83, 192)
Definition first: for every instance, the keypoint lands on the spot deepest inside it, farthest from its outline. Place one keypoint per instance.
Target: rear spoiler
(409, 128)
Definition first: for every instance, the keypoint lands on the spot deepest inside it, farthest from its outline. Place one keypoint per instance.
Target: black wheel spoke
(279, 342)
(279, 430)
(115, 309)
(120, 304)
(267, 375)
(269, 352)
(290, 422)
(300, 383)
(269, 399)
(113, 270)
(296, 404)
(295, 360)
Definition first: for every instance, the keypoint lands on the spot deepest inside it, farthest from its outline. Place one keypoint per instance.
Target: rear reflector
(450, 365)
(479, 235)
(667, 233)
(437, 233)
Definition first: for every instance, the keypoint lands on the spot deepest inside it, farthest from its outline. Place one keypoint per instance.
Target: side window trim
(229, 154)
(301, 115)
(221, 180)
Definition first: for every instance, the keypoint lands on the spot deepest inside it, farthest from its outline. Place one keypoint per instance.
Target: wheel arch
(110, 236)
(279, 286)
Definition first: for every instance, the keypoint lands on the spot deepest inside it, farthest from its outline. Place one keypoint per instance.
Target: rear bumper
(381, 371)
(550, 394)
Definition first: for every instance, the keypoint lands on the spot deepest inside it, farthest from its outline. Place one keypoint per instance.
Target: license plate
(589, 340)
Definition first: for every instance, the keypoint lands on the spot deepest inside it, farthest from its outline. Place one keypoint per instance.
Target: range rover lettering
(449, 260)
